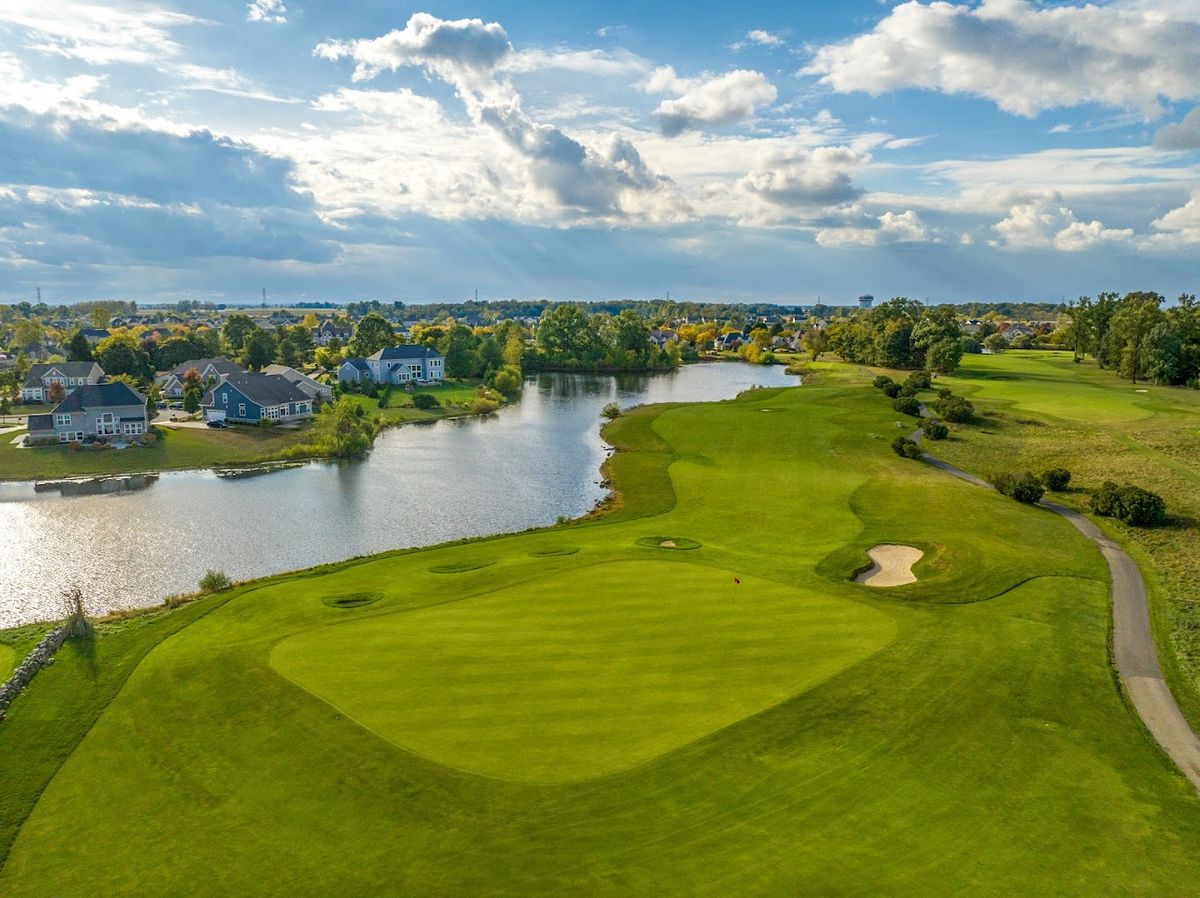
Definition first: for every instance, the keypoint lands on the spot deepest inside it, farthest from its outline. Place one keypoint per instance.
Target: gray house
(396, 365)
(113, 410)
(315, 390)
(70, 374)
(171, 382)
(250, 398)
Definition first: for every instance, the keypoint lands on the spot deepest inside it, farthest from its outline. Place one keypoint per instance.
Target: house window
(225, 401)
(133, 427)
(62, 437)
(62, 420)
(241, 409)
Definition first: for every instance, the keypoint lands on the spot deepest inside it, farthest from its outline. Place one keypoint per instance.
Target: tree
(259, 350)
(79, 349)
(995, 343)
(1136, 317)
(57, 392)
(123, 354)
(936, 430)
(507, 381)
(371, 334)
(341, 431)
(234, 332)
(457, 346)
(906, 448)
(611, 410)
(425, 401)
(944, 356)
(907, 405)
(176, 350)
(1056, 479)
(814, 341)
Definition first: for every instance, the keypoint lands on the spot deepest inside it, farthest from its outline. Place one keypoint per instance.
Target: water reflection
(96, 486)
(524, 466)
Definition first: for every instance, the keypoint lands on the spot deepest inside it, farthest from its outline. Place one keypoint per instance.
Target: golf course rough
(626, 721)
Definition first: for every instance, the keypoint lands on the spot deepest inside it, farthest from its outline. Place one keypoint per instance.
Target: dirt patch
(668, 542)
(892, 566)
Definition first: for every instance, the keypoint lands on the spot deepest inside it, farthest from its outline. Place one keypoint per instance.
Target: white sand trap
(892, 567)
(667, 544)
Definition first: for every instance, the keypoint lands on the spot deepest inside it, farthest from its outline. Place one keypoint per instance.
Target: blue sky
(771, 151)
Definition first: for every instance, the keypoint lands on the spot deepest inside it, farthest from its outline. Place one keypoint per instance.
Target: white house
(69, 375)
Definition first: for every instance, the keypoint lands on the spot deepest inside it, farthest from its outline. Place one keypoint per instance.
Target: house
(661, 338)
(404, 364)
(314, 390)
(171, 382)
(94, 334)
(329, 330)
(100, 410)
(971, 326)
(1012, 331)
(71, 375)
(250, 398)
(729, 341)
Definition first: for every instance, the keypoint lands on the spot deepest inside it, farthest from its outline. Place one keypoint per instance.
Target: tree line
(1135, 336)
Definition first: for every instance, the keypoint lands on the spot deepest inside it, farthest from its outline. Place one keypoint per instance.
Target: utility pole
(264, 297)
(39, 294)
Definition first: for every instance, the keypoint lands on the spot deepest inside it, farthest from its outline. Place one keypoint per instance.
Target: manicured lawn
(1044, 411)
(8, 660)
(176, 448)
(626, 719)
(455, 398)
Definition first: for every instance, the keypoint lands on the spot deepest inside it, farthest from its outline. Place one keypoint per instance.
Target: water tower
(865, 301)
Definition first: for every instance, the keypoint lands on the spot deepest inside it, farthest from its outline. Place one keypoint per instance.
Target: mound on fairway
(891, 565)
(543, 683)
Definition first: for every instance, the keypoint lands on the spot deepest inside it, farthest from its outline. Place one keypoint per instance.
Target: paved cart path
(1133, 644)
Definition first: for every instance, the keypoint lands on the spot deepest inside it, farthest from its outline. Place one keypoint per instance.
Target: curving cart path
(1133, 646)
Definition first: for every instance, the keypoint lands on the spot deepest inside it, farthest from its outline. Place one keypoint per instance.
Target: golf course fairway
(687, 695)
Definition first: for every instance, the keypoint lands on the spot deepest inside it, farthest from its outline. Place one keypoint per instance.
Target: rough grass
(8, 660)
(1044, 411)
(984, 749)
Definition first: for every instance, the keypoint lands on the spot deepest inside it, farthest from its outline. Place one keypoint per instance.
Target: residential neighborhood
(396, 365)
(92, 410)
(41, 380)
(251, 398)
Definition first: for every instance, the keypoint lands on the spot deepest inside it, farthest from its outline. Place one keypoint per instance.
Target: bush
(908, 405)
(1024, 488)
(214, 581)
(919, 380)
(954, 409)
(385, 397)
(1130, 504)
(906, 448)
(508, 381)
(1056, 479)
(610, 411)
(482, 406)
(425, 400)
(908, 390)
(995, 343)
(891, 389)
(936, 430)
(881, 381)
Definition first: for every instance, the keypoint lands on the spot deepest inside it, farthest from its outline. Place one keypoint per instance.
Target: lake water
(130, 542)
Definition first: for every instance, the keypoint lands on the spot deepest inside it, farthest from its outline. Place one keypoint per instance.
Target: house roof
(358, 364)
(94, 332)
(40, 422)
(68, 369)
(265, 389)
(222, 366)
(405, 351)
(292, 375)
(100, 395)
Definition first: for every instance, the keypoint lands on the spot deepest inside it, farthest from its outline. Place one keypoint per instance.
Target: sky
(772, 151)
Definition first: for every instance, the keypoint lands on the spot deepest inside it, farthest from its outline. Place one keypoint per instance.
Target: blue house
(407, 363)
(250, 398)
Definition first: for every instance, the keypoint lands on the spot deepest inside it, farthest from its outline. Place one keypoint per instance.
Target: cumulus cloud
(1026, 58)
(805, 178)
(273, 12)
(448, 48)
(759, 37)
(892, 227)
(1182, 136)
(1044, 223)
(711, 100)
(96, 33)
(605, 178)
(1178, 228)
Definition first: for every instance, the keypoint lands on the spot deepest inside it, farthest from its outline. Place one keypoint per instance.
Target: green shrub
(907, 389)
(954, 409)
(936, 430)
(1130, 504)
(919, 380)
(610, 411)
(482, 406)
(906, 448)
(425, 400)
(891, 389)
(908, 405)
(881, 381)
(214, 581)
(1025, 488)
(1056, 479)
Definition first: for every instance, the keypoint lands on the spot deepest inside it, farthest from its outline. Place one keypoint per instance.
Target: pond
(129, 542)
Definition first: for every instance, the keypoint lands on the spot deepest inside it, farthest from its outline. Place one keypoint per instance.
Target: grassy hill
(591, 710)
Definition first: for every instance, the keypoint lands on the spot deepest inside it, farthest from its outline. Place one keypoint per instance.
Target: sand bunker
(892, 566)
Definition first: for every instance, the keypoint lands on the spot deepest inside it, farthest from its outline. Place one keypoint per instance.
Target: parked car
(217, 425)
(176, 406)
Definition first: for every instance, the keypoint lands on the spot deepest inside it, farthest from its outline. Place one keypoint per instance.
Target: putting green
(543, 683)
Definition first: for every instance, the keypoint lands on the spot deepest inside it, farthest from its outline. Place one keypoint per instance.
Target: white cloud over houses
(1045, 223)
(1178, 228)
(710, 100)
(1025, 57)
(892, 227)
(805, 178)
